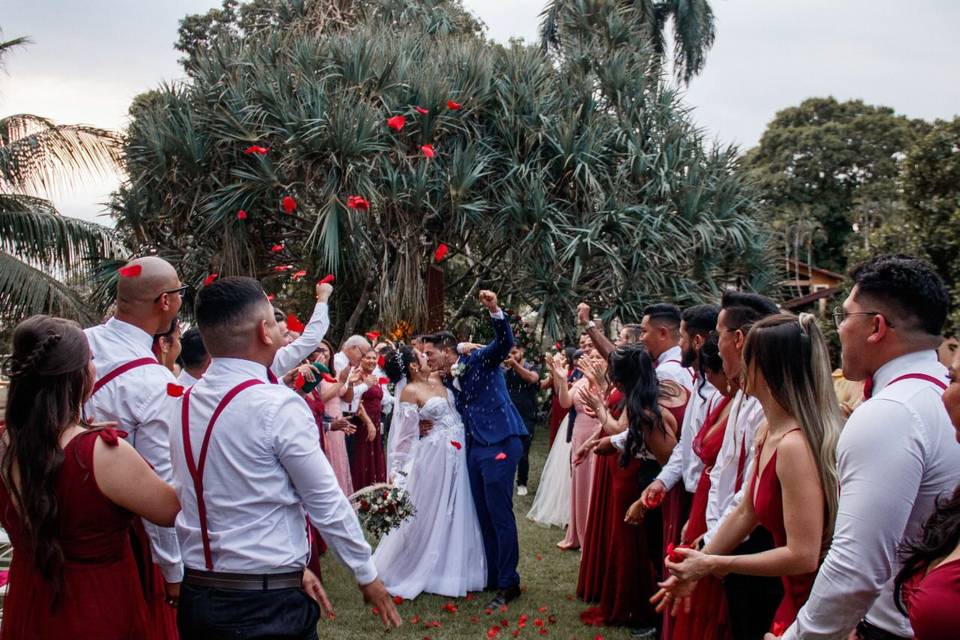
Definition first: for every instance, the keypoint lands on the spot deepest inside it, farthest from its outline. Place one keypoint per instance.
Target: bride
(440, 549)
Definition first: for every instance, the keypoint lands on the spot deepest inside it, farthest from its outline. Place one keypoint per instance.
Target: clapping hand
(595, 370)
(593, 403)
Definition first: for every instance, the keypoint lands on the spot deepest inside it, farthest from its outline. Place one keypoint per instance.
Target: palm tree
(41, 250)
(693, 29)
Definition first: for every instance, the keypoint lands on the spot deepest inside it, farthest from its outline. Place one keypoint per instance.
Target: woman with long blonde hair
(792, 491)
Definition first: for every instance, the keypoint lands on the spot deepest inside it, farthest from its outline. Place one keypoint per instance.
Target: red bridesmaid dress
(933, 602)
(368, 465)
(707, 619)
(102, 596)
(768, 505)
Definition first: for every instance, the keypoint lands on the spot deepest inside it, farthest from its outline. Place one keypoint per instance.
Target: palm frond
(25, 291)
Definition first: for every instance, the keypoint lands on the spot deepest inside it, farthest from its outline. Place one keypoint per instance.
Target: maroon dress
(622, 556)
(933, 602)
(707, 619)
(102, 596)
(768, 505)
(368, 465)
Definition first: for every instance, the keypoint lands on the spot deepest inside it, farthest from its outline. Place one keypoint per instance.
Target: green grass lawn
(549, 577)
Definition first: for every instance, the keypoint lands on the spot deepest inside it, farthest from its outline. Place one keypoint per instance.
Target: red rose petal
(372, 336)
(130, 271)
(500, 456)
(440, 253)
(326, 377)
(542, 609)
(422, 111)
(456, 445)
(539, 557)
(294, 323)
(470, 597)
(299, 274)
(503, 608)
(383, 380)
(381, 361)
(552, 619)
(210, 278)
(256, 149)
(289, 204)
(357, 202)
(283, 267)
(397, 600)
(270, 297)
(299, 381)
(396, 123)
(174, 390)
(277, 248)
(538, 622)
(327, 279)
(376, 611)
(241, 215)
(428, 151)
(454, 106)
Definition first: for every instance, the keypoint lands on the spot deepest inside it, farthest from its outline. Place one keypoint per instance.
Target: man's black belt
(243, 581)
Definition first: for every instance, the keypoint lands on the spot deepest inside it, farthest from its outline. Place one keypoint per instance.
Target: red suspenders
(921, 376)
(122, 369)
(196, 469)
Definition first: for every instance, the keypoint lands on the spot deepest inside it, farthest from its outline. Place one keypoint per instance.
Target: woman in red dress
(68, 498)
(707, 619)
(368, 465)
(628, 567)
(792, 490)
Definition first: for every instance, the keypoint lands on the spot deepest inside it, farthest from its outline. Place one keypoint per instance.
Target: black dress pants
(206, 613)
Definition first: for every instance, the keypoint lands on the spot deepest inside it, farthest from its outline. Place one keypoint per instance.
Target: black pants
(752, 600)
(221, 614)
(523, 467)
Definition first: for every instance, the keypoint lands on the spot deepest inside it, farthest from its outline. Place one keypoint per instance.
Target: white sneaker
(521, 490)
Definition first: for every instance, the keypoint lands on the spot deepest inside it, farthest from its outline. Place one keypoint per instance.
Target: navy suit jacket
(483, 401)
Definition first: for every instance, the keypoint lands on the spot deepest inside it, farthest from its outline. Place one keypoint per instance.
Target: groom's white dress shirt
(138, 401)
(897, 454)
(264, 471)
(669, 368)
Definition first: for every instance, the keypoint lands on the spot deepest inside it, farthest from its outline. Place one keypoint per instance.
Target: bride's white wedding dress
(440, 549)
(551, 506)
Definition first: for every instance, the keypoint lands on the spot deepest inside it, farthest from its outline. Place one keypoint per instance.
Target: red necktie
(868, 388)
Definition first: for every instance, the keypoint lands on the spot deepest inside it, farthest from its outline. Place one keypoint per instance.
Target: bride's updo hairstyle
(396, 363)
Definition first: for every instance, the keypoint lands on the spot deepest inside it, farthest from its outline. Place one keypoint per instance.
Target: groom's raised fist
(489, 300)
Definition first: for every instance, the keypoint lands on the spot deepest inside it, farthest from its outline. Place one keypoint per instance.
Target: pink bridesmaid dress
(582, 481)
(336, 443)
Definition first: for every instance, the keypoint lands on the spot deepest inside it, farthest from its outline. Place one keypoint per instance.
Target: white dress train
(440, 549)
(551, 506)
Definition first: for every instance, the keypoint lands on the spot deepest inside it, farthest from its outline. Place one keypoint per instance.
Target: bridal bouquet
(381, 508)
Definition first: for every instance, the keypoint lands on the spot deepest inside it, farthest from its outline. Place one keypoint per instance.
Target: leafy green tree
(44, 256)
(927, 223)
(552, 180)
(692, 22)
(830, 165)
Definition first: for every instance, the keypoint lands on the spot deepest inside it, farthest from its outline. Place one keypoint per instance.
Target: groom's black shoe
(504, 596)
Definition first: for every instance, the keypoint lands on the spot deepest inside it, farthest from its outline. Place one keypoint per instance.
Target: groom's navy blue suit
(493, 427)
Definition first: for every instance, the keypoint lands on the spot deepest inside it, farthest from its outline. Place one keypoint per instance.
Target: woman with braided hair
(68, 494)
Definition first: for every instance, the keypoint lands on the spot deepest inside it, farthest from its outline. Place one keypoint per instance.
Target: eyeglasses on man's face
(839, 315)
(179, 291)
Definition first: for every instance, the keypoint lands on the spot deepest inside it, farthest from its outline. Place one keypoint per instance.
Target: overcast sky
(90, 57)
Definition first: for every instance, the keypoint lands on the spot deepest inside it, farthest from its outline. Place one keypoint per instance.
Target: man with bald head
(132, 390)
(247, 466)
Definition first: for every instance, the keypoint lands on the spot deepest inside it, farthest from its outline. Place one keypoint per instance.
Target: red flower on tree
(396, 123)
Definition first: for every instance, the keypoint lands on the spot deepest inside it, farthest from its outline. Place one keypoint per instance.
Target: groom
(494, 448)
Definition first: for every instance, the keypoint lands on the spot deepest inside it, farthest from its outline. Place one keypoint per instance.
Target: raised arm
(498, 350)
(293, 354)
(594, 329)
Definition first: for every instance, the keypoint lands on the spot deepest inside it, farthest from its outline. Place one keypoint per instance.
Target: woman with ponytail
(68, 495)
(793, 489)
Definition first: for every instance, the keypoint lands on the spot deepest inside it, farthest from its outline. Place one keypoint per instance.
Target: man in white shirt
(695, 327)
(291, 355)
(132, 387)
(897, 452)
(193, 359)
(660, 334)
(752, 600)
(247, 467)
(351, 353)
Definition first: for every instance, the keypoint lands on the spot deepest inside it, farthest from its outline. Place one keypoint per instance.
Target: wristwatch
(591, 325)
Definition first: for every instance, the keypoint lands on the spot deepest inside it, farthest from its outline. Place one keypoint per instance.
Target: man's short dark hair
(442, 339)
(228, 302)
(908, 287)
(701, 319)
(664, 313)
(633, 331)
(743, 309)
(192, 353)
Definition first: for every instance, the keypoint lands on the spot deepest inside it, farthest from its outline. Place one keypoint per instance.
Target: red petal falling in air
(241, 215)
(422, 111)
(500, 456)
(456, 445)
(256, 149)
(289, 204)
(327, 279)
(358, 202)
(454, 106)
(428, 151)
(373, 335)
(174, 390)
(299, 274)
(383, 381)
(397, 600)
(277, 248)
(396, 123)
(299, 381)
(210, 278)
(294, 324)
(283, 267)
(270, 297)
(441, 252)
(130, 271)
(381, 361)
